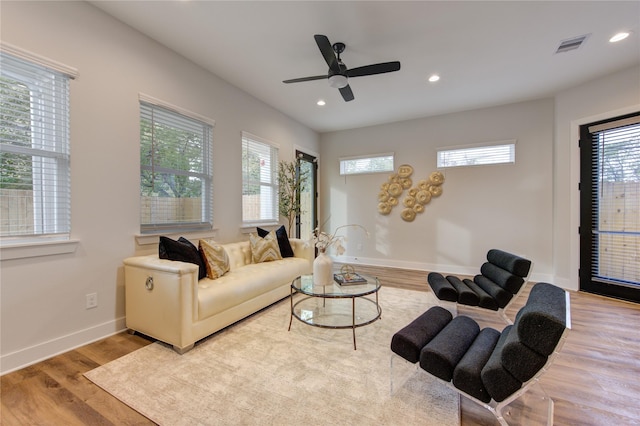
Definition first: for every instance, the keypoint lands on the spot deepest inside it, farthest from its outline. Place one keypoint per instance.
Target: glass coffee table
(335, 305)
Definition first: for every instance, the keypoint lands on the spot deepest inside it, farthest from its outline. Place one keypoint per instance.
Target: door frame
(300, 154)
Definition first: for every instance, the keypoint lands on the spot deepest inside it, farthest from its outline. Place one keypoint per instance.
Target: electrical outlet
(92, 300)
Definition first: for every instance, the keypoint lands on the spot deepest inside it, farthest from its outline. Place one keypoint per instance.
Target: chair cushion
(501, 295)
(441, 287)
(495, 378)
(484, 299)
(466, 375)
(441, 355)
(409, 341)
(521, 361)
(541, 322)
(515, 264)
(466, 296)
(503, 278)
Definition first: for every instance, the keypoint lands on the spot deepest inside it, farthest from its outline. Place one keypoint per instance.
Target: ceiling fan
(339, 74)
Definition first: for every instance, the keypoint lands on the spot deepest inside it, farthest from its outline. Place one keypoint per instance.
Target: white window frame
(182, 116)
(361, 164)
(269, 211)
(499, 152)
(48, 83)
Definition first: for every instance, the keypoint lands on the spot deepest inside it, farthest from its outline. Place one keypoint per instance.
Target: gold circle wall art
(418, 196)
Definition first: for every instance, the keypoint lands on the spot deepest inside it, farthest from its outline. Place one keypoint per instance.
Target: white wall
(603, 98)
(531, 208)
(482, 207)
(43, 298)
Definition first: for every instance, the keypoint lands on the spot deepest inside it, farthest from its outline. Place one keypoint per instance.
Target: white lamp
(338, 81)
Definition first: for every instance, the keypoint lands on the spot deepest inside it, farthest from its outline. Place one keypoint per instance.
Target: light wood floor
(594, 380)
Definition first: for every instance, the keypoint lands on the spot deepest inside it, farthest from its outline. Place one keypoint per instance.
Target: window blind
(498, 153)
(175, 170)
(34, 151)
(259, 180)
(616, 214)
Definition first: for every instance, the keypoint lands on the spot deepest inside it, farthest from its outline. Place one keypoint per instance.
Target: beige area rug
(258, 373)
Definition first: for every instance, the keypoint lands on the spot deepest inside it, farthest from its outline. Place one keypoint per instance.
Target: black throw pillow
(183, 251)
(283, 240)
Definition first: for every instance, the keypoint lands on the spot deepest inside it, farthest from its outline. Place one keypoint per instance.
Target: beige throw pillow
(264, 249)
(217, 260)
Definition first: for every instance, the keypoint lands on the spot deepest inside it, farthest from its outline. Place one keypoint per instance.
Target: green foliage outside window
(15, 129)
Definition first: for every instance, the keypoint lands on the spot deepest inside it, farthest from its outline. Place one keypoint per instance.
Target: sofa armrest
(154, 262)
(302, 249)
(161, 298)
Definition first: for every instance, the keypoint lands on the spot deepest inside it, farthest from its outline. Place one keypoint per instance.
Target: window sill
(38, 249)
(247, 229)
(148, 239)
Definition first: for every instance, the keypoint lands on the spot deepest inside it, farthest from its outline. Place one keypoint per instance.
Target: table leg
(291, 312)
(353, 320)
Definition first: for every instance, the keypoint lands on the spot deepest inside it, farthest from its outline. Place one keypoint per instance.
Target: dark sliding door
(610, 207)
(307, 220)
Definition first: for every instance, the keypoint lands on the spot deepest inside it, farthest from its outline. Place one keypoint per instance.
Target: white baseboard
(40, 352)
(445, 269)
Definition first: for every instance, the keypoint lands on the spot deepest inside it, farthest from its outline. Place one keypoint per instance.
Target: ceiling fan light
(338, 81)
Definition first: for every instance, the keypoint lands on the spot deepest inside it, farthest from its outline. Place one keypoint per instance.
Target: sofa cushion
(182, 250)
(264, 249)
(283, 240)
(217, 260)
(247, 282)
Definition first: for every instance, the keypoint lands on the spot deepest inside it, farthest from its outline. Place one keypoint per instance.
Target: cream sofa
(165, 300)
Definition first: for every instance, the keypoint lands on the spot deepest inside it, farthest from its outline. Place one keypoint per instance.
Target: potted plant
(291, 182)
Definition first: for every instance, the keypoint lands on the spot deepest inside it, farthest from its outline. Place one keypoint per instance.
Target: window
(259, 180)
(366, 164)
(35, 199)
(175, 168)
(496, 153)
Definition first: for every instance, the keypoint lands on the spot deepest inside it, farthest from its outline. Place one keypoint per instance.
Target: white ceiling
(487, 53)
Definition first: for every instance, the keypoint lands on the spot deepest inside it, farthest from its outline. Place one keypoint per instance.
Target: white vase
(323, 269)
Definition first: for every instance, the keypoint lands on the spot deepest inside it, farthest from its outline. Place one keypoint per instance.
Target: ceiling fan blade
(346, 93)
(299, 80)
(327, 52)
(374, 69)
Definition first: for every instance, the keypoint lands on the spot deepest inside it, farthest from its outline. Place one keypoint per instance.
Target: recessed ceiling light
(321, 102)
(619, 36)
(434, 78)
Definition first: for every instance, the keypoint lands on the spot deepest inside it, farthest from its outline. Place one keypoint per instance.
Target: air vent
(572, 43)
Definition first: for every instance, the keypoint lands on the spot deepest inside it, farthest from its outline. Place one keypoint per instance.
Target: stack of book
(349, 279)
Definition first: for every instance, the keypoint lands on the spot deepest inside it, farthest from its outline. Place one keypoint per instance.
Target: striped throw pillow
(264, 249)
(217, 260)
